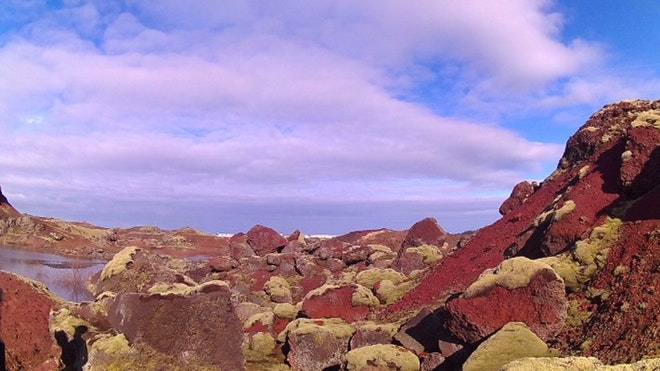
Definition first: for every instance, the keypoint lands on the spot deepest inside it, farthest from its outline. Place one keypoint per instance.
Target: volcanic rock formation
(570, 271)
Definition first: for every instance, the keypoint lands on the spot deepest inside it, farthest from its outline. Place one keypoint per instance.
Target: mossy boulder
(518, 290)
(381, 357)
(513, 341)
(316, 344)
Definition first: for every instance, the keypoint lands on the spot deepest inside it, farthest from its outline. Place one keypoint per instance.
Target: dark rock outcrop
(196, 327)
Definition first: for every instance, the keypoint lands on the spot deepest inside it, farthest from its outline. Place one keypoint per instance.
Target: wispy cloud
(315, 102)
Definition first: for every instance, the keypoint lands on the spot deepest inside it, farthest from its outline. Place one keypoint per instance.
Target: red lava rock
(640, 168)
(264, 240)
(519, 195)
(331, 248)
(171, 324)
(409, 261)
(625, 327)
(596, 191)
(239, 247)
(541, 304)
(384, 237)
(425, 232)
(24, 313)
(294, 236)
(335, 302)
(318, 347)
(221, 263)
(369, 335)
(355, 254)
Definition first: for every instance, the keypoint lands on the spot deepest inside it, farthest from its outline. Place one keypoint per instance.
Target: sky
(326, 116)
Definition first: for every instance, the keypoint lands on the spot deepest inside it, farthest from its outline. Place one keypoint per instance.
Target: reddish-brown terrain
(571, 269)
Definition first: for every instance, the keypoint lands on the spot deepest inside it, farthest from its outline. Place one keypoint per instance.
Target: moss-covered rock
(285, 310)
(369, 277)
(587, 256)
(511, 274)
(382, 357)
(577, 363)
(119, 263)
(513, 341)
(278, 289)
(316, 344)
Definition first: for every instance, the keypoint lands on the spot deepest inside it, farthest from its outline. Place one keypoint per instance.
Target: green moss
(567, 268)
(511, 274)
(386, 356)
(363, 296)
(620, 270)
(111, 344)
(302, 326)
(648, 118)
(555, 214)
(166, 288)
(380, 248)
(555, 364)
(388, 328)
(63, 319)
(626, 155)
(595, 249)
(321, 290)
(429, 253)
(119, 262)
(277, 287)
(258, 347)
(587, 256)
(183, 289)
(265, 318)
(513, 341)
(576, 317)
(369, 277)
(584, 171)
(388, 292)
(285, 310)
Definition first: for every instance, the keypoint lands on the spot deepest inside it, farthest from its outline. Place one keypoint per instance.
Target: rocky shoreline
(567, 278)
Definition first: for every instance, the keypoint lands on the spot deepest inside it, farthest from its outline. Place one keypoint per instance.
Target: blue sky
(325, 116)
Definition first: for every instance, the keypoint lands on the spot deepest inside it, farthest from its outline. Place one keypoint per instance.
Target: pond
(63, 275)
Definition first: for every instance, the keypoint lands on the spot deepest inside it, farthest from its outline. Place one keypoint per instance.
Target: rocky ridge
(568, 272)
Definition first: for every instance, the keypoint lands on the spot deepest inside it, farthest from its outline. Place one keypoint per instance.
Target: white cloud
(203, 100)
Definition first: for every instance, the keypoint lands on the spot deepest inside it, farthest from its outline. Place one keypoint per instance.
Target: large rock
(264, 240)
(577, 363)
(25, 306)
(420, 333)
(382, 357)
(519, 195)
(425, 232)
(239, 247)
(194, 326)
(370, 333)
(316, 345)
(350, 302)
(417, 258)
(518, 290)
(511, 342)
(136, 270)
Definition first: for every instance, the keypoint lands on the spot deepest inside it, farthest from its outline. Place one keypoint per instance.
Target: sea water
(63, 275)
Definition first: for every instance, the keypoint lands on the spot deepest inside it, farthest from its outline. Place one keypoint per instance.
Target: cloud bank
(318, 114)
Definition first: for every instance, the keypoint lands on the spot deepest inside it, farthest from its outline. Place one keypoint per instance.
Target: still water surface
(63, 275)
